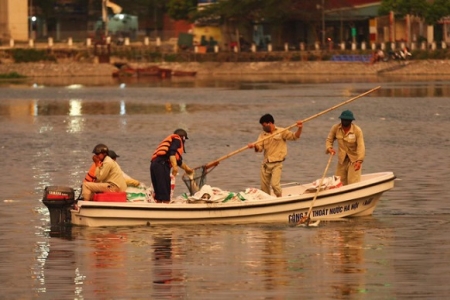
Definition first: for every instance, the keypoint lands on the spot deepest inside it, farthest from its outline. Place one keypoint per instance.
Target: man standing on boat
(166, 156)
(109, 176)
(275, 150)
(351, 148)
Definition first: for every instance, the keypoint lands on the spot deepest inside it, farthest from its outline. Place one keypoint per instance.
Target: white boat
(355, 200)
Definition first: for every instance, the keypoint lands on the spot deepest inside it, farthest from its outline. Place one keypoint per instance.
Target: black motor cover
(59, 200)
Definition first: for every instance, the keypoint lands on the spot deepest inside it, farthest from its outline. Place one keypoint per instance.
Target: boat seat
(110, 197)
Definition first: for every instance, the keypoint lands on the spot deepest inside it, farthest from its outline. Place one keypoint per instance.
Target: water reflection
(131, 104)
(162, 250)
(417, 90)
(273, 261)
(243, 82)
(336, 258)
(346, 257)
(78, 107)
(55, 268)
(166, 276)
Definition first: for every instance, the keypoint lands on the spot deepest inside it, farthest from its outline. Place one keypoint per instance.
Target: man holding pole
(351, 148)
(273, 142)
(273, 134)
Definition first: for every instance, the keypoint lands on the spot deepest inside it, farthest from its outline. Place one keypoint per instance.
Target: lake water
(48, 129)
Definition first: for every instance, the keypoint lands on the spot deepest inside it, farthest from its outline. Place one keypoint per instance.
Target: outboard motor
(59, 200)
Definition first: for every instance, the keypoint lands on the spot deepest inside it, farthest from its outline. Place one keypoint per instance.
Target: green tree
(404, 7)
(181, 9)
(431, 12)
(437, 10)
(239, 16)
(274, 11)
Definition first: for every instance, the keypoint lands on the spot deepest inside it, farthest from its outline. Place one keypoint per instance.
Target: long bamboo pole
(215, 162)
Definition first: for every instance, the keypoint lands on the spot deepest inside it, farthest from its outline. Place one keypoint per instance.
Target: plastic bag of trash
(209, 194)
(140, 193)
(328, 183)
(255, 194)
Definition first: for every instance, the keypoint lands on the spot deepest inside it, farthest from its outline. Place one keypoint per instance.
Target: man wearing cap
(168, 155)
(351, 148)
(108, 174)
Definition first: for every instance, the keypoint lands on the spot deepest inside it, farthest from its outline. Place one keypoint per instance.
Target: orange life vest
(163, 148)
(90, 176)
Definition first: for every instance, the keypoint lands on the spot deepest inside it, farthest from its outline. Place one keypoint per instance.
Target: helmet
(347, 115)
(100, 148)
(181, 132)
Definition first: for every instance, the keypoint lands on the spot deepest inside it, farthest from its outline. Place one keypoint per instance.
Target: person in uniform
(275, 151)
(109, 176)
(167, 156)
(351, 147)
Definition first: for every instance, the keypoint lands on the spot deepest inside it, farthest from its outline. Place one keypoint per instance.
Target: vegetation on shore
(11, 75)
(21, 55)
(150, 55)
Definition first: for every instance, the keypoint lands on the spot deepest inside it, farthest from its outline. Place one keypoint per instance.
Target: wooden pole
(215, 162)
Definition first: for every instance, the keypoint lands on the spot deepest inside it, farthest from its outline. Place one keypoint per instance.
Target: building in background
(446, 30)
(14, 20)
(206, 33)
(328, 23)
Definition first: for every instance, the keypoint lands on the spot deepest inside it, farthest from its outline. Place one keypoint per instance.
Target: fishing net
(197, 179)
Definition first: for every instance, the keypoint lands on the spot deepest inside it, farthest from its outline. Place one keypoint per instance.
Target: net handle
(190, 181)
(215, 162)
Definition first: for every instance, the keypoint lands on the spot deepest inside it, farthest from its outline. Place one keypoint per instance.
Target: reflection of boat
(153, 71)
(183, 73)
(354, 200)
(164, 73)
(125, 70)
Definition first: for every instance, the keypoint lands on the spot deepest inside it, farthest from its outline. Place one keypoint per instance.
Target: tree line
(239, 11)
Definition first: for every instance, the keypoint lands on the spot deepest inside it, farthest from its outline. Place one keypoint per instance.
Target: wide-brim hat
(347, 115)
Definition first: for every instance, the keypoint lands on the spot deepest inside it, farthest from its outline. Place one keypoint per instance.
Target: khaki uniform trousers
(271, 176)
(89, 188)
(347, 172)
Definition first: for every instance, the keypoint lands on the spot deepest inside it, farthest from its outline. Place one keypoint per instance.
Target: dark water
(48, 130)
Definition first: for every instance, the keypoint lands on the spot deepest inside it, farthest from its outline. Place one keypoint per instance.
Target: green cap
(346, 115)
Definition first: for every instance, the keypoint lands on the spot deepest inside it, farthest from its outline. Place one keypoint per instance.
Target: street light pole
(323, 24)
(155, 17)
(30, 21)
(105, 17)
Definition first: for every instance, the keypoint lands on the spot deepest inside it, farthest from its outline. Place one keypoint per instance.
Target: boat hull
(354, 200)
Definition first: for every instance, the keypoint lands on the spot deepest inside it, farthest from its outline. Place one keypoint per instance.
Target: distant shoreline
(300, 68)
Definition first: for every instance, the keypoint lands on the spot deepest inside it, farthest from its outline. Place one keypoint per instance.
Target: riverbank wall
(207, 69)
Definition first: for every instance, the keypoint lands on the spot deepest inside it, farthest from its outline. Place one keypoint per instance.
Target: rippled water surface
(48, 130)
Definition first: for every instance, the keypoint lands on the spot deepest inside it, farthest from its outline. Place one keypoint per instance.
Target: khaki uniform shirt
(350, 144)
(110, 172)
(275, 148)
